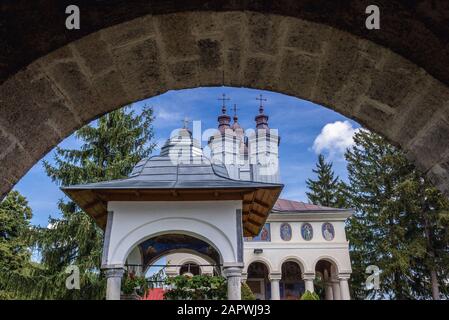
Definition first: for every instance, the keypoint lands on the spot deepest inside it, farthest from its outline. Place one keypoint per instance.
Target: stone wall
(65, 89)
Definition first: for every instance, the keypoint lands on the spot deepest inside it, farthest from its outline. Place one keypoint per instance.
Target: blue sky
(305, 129)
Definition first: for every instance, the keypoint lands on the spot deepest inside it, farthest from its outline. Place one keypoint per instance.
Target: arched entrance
(291, 284)
(190, 269)
(258, 281)
(152, 249)
(284, 46)
(330, 283)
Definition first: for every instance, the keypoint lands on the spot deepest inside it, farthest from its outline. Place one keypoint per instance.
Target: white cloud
(334, 139)
(167, 118)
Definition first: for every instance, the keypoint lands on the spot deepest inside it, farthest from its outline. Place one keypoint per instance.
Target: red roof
(154, 294)
(284, 205)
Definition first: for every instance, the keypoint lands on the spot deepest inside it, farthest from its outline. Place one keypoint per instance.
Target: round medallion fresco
(328, 231)
(307, 231)
(286, 232)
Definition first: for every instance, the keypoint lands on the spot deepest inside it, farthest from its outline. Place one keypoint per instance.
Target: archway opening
(258, 280)
(153, 257)
(325, 280)
(190, 269)
(291, 284)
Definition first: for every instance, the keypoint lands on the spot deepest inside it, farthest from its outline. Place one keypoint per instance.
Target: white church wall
(135, 261)
(178, 259)
(134, 222)
(305, 253)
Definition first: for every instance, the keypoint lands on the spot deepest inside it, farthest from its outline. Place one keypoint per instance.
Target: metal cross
(235, 109)
(224, 99)
(261, 100)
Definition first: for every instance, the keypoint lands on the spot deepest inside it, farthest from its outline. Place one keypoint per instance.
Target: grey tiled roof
(159, 172)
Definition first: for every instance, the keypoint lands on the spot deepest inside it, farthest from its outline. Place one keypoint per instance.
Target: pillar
(233, 274)
(275, 278)
(327, 286)
(113, 283)
(308, 281)
(344, 287)
(335, 289)
(328, 291)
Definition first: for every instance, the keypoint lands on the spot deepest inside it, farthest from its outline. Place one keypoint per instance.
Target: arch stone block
(373, 78)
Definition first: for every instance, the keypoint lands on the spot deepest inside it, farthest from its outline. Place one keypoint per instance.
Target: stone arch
(261, 260)
(193, 257)
(198, 229)
(194, 260)
(302, 265)
(404, 100)
(334, 263)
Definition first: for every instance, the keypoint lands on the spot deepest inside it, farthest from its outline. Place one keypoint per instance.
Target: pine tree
(15, 215)
(111, 147)
(399, 223)
(327, 190)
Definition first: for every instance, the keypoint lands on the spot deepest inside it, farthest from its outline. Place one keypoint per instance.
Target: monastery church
(220, 214)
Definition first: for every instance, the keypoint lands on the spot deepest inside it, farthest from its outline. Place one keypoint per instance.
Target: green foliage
(309, 296)
(134, 284)
(15, 215)
(400, 222)
(196, 288)
(110, 148)
(327, 190)
(202, 288)
(247, 294)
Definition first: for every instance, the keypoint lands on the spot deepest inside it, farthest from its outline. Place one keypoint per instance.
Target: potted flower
(133, 287)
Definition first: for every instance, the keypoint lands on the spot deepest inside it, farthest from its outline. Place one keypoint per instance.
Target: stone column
(327, 286)
(328, 291)
(344, 287)
(274, 281)
(335, 289)
(308, 281)
(233, 273)
(113, 283)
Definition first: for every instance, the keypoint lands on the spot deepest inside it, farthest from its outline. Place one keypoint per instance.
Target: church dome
(182, 143)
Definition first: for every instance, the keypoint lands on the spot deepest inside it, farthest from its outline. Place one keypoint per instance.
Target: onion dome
(224, 121)
(236, 126)
(261, 118)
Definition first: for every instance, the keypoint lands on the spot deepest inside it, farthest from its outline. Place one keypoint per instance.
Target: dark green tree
(111, 146)
(15, 254)
(400, 223)
(327, 190)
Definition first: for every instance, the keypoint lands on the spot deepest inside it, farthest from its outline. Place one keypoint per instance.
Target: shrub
(196, 288)
(310, 296)
(201, 288)
(247, 294)
(134, 284)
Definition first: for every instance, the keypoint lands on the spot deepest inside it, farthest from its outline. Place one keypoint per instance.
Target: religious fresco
(328, 231)
(307, 231)
(264, 235)
(155, 247)
(286, 232)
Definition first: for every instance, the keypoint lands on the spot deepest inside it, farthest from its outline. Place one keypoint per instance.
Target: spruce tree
(110, 148)
(15, 215)
(400, 223)
(328, 190)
